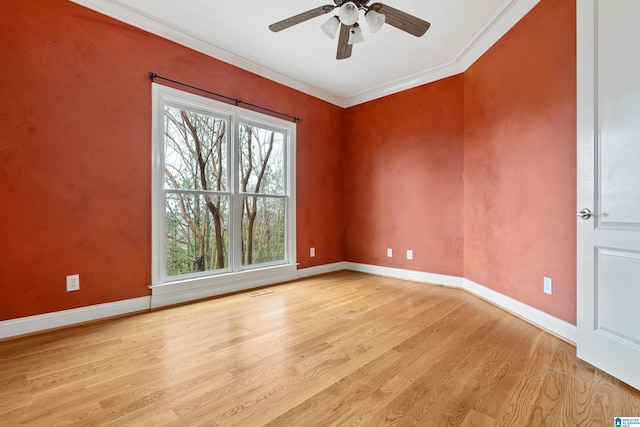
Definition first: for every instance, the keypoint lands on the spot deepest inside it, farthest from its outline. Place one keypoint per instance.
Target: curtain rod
(237, 102)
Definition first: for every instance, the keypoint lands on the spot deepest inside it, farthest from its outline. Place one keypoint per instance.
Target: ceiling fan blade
(401, 20)
(344, 48)
(297, 19)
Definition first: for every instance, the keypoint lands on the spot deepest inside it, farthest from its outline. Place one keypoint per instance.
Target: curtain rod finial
(152, 75)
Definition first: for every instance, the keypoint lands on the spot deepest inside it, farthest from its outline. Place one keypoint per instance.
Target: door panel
(609, 185)
(618, 97)
(616, 302)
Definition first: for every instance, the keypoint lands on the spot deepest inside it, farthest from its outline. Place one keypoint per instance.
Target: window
(223, 190)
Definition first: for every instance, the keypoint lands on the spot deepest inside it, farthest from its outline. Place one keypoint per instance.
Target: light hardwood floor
(336, 350)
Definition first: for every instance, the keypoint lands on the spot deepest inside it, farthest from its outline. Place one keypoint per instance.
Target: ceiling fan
(347, 21)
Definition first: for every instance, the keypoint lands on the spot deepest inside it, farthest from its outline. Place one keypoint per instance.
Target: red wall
(474, 173)
(512, 120)
(75, 154)
(520, 162)
(403, 179)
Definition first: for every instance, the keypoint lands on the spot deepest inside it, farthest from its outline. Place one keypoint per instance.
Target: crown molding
(428, 76)
(512, 12)
(135, 18)
(499, 24)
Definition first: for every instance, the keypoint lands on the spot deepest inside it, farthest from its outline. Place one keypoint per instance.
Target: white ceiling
(302, 57)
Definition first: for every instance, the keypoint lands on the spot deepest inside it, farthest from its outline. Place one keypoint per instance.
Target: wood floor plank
(428, 399)
(340, 349)
(414, 354)
(476, 419)
(529, 382)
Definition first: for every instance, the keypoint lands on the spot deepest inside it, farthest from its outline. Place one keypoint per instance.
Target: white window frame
(173, 290)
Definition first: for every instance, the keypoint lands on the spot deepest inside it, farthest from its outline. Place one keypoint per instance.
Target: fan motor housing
(360, 3)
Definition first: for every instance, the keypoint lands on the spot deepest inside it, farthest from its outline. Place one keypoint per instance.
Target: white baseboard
(192, 290)
(321, 269)
(558, 327)
(416, 276)
(41, 322)
(543, 320)
(161, 296)
(164, 297)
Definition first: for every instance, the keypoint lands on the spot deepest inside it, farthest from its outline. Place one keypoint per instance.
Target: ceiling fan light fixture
(355, 34)
(375, 20)
(330, 28)
(348, 13)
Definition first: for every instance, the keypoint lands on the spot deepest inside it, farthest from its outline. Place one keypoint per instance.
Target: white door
(609, 186)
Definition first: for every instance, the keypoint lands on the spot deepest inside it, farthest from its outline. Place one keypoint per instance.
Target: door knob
(584, 213)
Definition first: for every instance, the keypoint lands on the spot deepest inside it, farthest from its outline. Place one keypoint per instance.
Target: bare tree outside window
(196, 169)
(199, 198)
(263, 212)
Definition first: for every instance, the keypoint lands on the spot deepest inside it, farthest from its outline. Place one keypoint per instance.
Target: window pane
(222, 200)
(197, 233)
(195, 151)
(262, 160)
(263, 230)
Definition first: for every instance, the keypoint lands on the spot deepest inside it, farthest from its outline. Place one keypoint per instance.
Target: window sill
(177, 292)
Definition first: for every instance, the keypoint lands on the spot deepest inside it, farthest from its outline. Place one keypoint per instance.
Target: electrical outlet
(409, 254)
(389, 252)
(312, 252)
(73, 283)
(548, 285)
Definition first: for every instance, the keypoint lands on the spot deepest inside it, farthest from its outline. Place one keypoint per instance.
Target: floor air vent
(259, 293)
